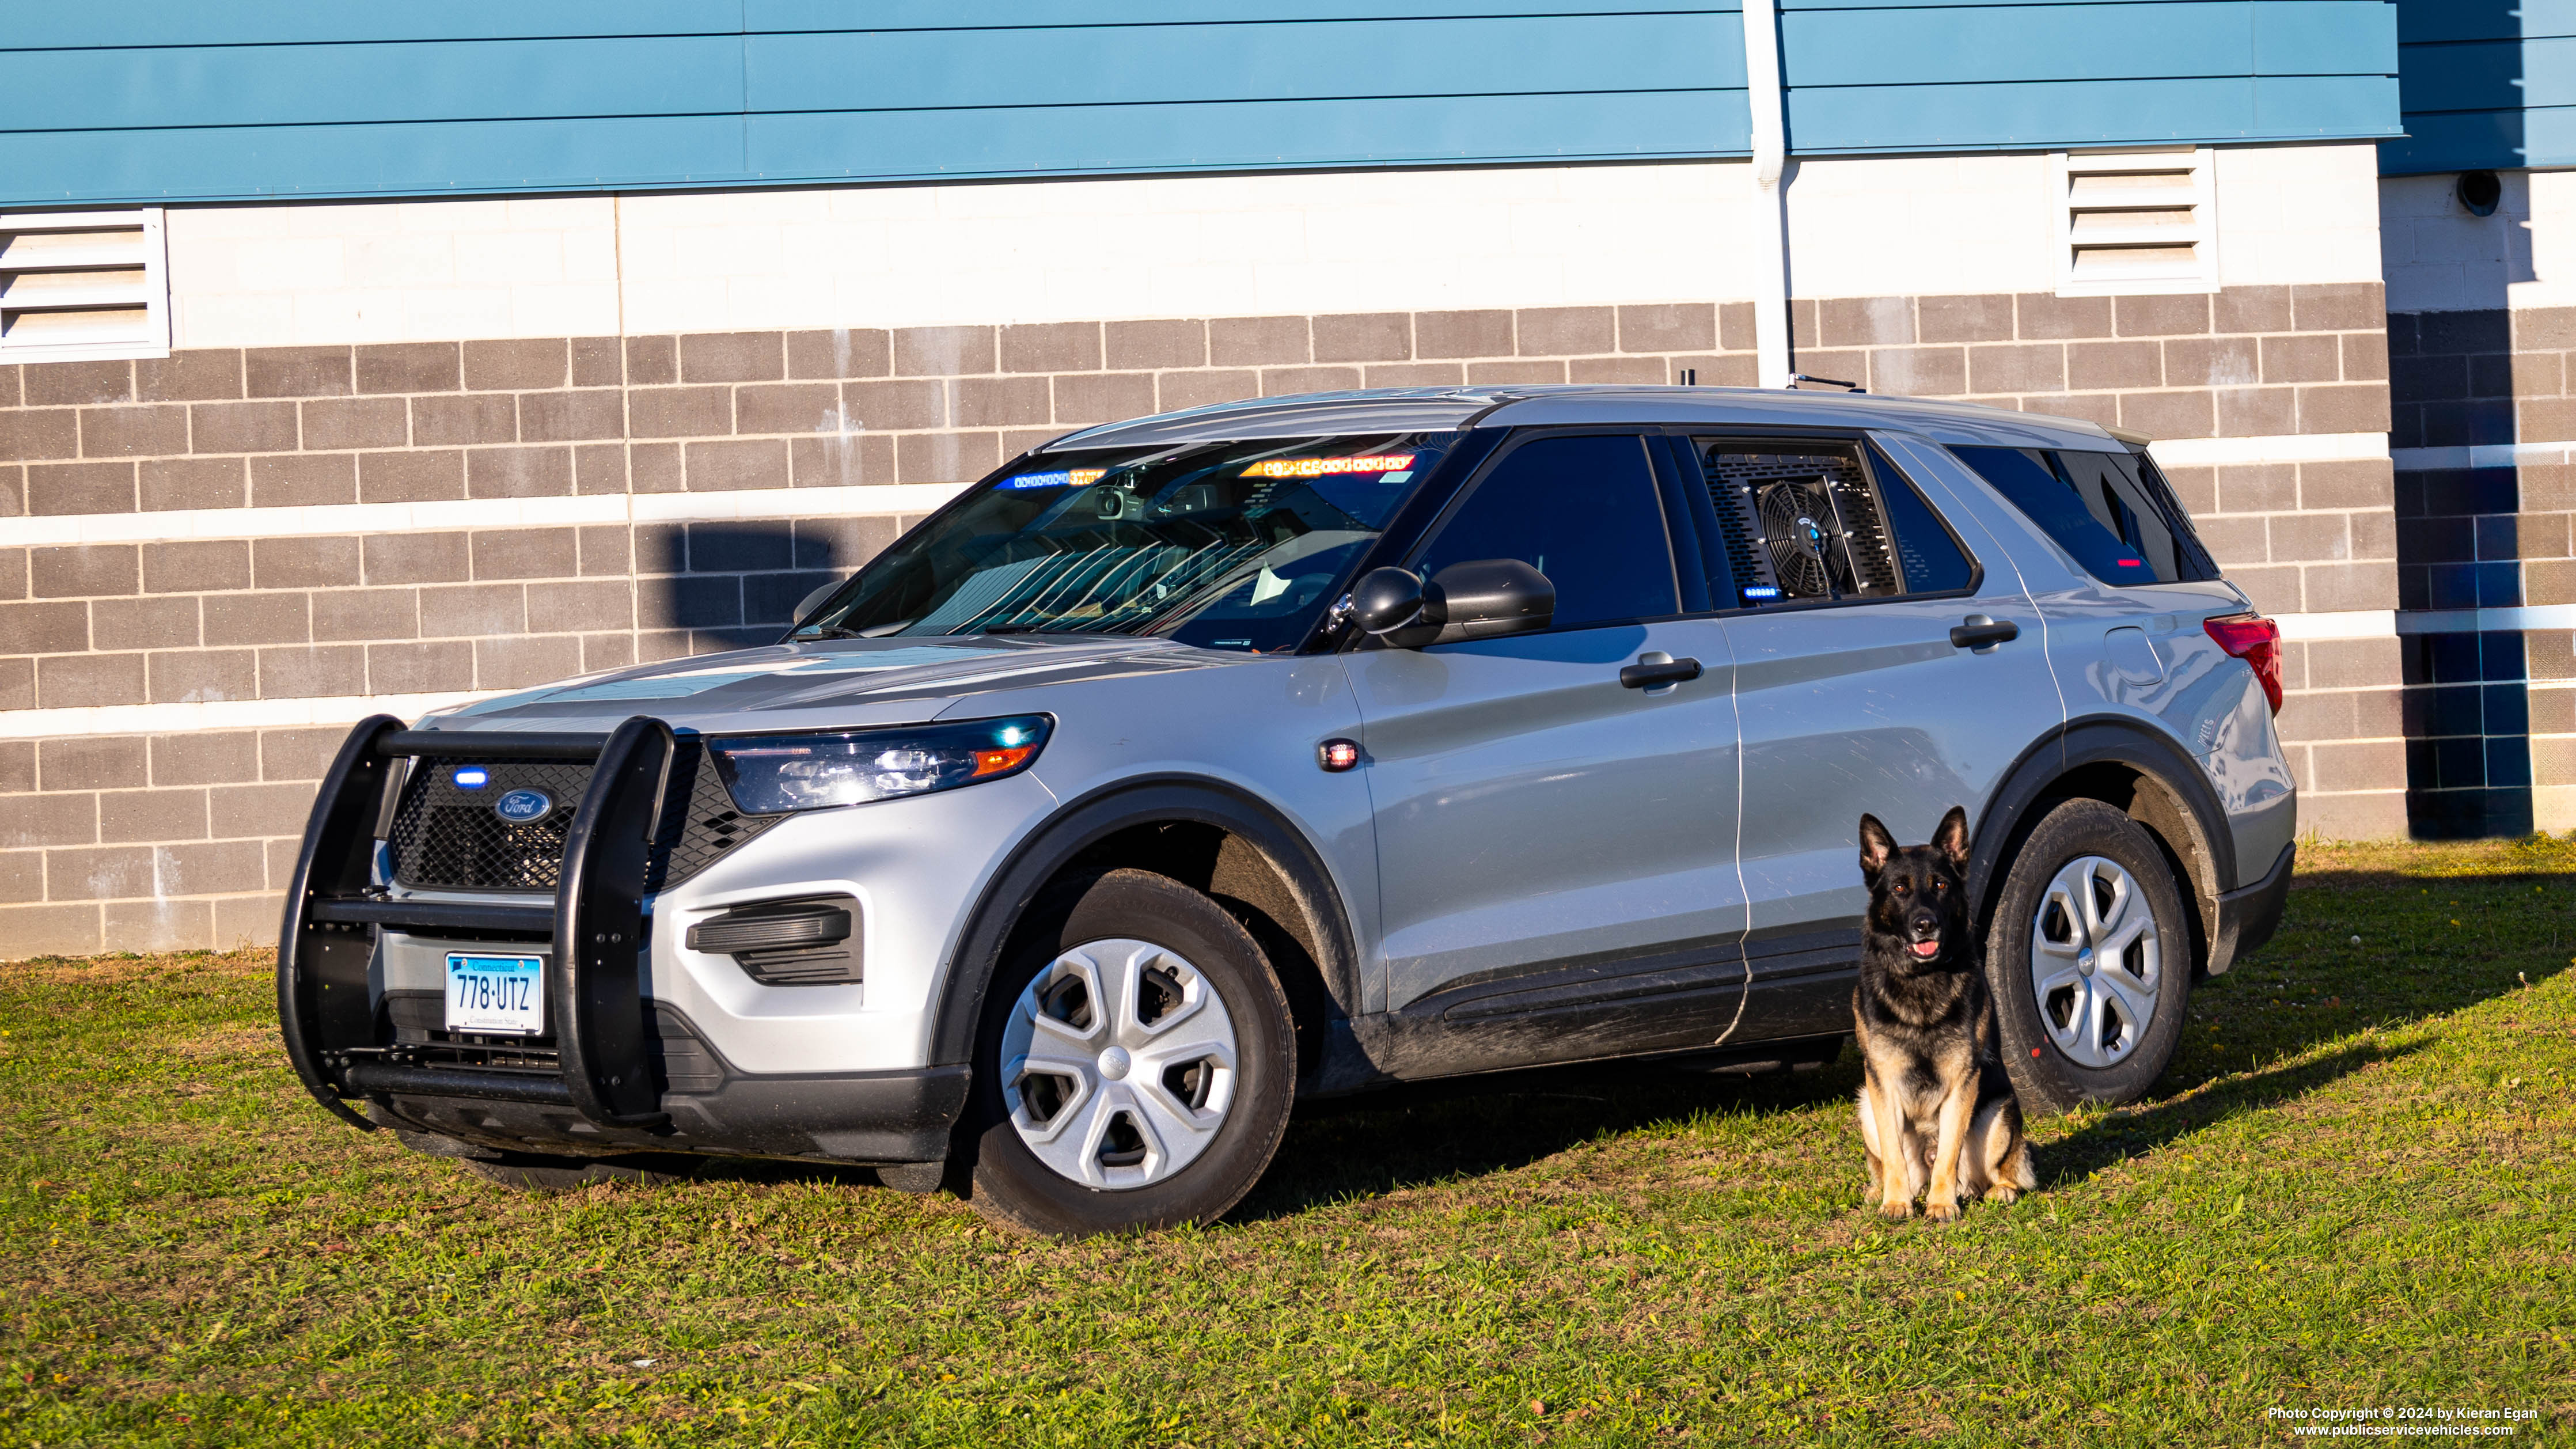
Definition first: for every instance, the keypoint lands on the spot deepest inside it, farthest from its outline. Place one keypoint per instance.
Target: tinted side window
(1581, 510)
(2098, 508)
(1819, 524)
(1929, 557)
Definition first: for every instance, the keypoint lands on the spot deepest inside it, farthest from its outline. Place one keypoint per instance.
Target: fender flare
(2029, 789)
(1091, 818)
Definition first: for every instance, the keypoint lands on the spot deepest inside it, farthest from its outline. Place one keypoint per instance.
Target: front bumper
(865, 1117)
(2248, 917)
(618, 1070)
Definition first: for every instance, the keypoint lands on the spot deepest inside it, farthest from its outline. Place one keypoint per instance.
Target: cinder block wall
(2482, 336)
(411, 522)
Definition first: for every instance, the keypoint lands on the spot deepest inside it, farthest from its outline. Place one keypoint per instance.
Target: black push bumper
(604, 1088)
(2248, 917)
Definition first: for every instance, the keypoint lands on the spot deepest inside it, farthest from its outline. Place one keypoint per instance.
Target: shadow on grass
(2428, 947)
(2136, 1131)
(1427, 1133)
(1431, 1132)
(1469, 1127)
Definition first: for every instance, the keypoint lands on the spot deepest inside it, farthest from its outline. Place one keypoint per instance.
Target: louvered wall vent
(76, 285)
(2135, 222)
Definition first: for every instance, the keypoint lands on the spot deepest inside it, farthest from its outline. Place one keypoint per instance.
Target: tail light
(2257, 641)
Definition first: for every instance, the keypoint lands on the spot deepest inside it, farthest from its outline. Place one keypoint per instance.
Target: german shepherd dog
(1936, 1109)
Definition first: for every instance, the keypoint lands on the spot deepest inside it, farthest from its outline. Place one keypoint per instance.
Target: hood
(820, 683)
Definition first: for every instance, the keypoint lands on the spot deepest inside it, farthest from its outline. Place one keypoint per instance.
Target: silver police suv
(1191, 765)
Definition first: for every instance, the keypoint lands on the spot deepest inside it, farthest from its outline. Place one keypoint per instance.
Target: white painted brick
(464, 312)
(1093, 249)
(291, 264)
(570, 310)
(408, 259)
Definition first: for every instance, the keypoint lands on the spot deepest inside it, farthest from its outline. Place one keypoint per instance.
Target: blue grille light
(472, 777)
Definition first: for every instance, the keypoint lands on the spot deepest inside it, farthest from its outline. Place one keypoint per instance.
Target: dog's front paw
(1868, 1193)
(1941, 1212)
(2003, 1192)
(1896, 1210)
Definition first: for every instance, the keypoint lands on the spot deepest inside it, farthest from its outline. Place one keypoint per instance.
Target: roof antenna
(1796, 378)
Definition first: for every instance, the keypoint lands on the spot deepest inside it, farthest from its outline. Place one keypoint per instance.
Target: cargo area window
(1815, 522)
(2111, 511)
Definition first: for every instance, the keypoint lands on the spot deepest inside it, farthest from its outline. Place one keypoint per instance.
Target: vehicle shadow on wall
(736, 585)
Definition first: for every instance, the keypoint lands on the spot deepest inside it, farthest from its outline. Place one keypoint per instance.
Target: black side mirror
(1480, 599)
(1386, 599)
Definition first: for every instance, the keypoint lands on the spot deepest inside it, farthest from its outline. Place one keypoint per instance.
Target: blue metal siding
(229, 99)
(1876, 77)
(2485, 83)
(319, 100)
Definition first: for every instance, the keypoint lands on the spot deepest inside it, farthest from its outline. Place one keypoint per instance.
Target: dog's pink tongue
(1927, 949)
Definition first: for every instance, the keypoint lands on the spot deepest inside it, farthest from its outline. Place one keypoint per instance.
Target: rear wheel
(1135, 1065)
(2090, 960)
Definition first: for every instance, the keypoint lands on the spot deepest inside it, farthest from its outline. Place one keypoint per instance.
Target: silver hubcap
(1118, 1064)
(2096, 962)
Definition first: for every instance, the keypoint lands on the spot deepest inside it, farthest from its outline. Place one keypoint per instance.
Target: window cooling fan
(1798, 528)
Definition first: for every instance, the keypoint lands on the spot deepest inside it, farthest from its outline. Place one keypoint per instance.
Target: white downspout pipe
(1770, 205)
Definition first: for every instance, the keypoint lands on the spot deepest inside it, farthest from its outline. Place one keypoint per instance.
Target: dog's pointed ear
(1876, 845)
(1952, 838)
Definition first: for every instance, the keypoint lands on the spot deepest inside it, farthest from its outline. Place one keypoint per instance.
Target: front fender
(1090, 819)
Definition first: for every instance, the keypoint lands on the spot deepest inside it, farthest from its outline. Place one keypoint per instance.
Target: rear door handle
(1670, 671)
(1980, 632)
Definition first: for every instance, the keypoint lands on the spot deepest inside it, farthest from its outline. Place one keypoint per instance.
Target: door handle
(1980, 632)
(1669, 671)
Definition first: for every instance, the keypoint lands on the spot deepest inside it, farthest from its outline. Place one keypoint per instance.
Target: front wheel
(1134, 1066)
(2090, 959)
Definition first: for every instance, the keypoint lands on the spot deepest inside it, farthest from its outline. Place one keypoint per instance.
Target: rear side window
(1580, 509)
(1827, 521)
(2116, 519)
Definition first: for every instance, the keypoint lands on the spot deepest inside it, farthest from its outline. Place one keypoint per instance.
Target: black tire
(1006, 1180)
(2047, 1078)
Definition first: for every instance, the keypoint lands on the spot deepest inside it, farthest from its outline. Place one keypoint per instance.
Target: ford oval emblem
(522, 807)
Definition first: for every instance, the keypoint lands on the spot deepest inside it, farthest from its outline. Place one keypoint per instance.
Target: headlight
(772, 773)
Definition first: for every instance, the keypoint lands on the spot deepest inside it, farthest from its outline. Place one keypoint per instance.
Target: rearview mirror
(1481, 599)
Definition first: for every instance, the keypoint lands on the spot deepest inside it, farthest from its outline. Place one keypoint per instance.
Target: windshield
(1234, 545)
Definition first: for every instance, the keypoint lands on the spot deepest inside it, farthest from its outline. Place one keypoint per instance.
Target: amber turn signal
(994, 762)
(1338, 755)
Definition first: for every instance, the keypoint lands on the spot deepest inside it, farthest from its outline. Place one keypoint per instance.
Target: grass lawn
(2356, 1188)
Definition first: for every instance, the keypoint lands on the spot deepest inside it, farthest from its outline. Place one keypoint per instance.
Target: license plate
(496, 995)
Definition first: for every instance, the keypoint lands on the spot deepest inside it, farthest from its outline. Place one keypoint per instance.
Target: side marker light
(1338, 755)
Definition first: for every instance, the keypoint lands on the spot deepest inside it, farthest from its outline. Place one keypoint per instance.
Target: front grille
(444, 836)
(447, 838)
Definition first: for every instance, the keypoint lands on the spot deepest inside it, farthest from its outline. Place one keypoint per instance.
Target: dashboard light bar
(1320, 467)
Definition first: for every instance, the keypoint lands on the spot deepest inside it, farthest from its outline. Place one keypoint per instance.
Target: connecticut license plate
(496, 995)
